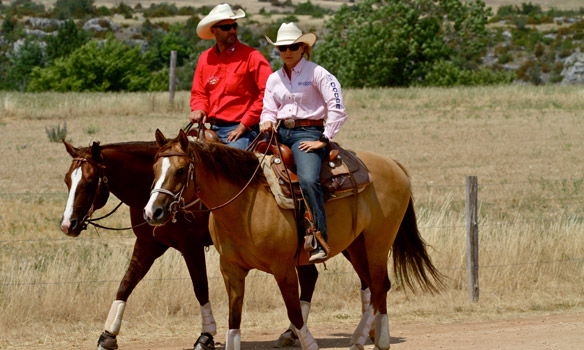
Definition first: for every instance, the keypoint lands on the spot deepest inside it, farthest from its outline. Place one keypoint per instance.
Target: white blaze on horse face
(157, 186)
(76, 176)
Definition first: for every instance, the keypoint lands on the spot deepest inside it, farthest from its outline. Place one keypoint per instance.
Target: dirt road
(564, 331)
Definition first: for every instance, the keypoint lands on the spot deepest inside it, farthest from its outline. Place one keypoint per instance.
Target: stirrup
(204, 342)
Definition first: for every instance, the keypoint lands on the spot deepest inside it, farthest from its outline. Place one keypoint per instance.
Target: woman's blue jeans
(308, 166)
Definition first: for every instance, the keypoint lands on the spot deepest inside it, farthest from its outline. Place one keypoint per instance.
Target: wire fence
(577, 197)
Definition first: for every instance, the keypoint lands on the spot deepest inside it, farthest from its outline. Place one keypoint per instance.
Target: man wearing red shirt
(230, 79)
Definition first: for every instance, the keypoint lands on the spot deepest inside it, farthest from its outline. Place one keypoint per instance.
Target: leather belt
(295, 123)
(221, 122)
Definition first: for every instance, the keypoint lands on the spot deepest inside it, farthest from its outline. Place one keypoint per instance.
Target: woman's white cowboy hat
(220, 13)
(289, 34)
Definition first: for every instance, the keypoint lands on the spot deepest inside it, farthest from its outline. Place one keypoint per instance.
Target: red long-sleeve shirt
(230, 85)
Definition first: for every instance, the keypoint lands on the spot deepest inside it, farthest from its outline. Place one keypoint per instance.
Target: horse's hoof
(356, 347)
(286, 340)
(107, 341)
(204, 342)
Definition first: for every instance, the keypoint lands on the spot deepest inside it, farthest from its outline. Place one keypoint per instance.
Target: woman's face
(291, 54)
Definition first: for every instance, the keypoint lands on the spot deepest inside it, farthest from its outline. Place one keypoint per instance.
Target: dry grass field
(524, 143)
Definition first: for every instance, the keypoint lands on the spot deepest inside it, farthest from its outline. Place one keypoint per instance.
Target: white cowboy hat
(289, 33)
(219, 13)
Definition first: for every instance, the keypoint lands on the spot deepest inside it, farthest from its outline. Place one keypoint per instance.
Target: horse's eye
(180, 172)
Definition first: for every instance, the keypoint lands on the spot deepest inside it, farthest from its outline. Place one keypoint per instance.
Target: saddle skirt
(342, 173)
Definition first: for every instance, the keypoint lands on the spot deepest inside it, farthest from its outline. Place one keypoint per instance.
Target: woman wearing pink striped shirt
(301, 97)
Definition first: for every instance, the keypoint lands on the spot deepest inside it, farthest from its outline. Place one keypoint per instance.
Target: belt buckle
(289, 123)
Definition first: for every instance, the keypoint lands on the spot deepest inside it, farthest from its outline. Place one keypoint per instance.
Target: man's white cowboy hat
(220, 13)
(289, 34)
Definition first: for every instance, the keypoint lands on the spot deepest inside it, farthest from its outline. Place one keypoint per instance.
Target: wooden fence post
(472, 237)
(172, 76)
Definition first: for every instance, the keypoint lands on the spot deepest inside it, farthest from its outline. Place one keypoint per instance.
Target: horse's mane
(234, 164)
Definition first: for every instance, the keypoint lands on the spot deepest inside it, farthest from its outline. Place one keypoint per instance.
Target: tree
(67, 40)
(73, 8)
(396, 42)
(28, 56)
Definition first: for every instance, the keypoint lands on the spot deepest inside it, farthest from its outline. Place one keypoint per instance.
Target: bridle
(178, 200)
(102, 181)
(178, 205)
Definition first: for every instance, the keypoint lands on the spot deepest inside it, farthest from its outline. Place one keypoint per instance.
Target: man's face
(225, 37)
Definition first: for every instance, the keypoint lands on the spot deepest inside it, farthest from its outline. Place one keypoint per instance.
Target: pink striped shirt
(312, 93)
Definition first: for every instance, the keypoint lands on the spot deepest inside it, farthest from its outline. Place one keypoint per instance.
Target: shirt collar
(230, 51)
(298, 67)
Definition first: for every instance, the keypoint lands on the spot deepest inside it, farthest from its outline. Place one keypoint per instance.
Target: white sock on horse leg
(362, 332)
(305, 309)
(307, 341)
(114, 318)
(365, 299)
(382, 332)
(233, 339)
(208, 320)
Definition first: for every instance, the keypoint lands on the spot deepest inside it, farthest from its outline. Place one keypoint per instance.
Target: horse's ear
(184, 141)
(96, 151)
(161, 140)
(74, 152)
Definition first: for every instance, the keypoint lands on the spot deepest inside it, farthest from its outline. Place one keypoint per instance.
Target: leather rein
(178, 205)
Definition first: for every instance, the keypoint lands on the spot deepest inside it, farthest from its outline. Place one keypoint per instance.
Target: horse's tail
(410, 257)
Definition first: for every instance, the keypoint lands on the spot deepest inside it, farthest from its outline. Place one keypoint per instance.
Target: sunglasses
(292, 47)
(226, 27)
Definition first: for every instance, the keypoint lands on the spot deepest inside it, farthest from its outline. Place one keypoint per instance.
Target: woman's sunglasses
(226, 27)
(292, 47)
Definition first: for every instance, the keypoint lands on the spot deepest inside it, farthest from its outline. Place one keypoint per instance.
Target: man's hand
(267, 126)
(308, 146)
(197, 115)
(235, 134)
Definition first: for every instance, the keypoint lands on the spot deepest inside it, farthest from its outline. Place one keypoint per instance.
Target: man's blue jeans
(308, 166)
(242, 142)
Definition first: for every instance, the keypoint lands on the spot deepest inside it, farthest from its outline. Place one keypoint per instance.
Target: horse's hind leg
(380, 285)
(288, 284)
(307, 276)
(143, 256)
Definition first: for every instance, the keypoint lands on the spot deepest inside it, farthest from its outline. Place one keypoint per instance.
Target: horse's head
(87, 186)
(173, 170)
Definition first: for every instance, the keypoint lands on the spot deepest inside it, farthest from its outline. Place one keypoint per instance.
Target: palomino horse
(125, 169)
(253, 232)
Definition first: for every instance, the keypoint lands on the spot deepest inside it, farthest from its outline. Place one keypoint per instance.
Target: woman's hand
(267, 126)
(308, 146)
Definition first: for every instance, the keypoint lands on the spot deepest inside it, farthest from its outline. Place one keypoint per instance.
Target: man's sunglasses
(226, 27)
(292, 47)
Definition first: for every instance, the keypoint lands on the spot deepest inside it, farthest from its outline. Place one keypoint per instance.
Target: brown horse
(125, 169)
(252, 232)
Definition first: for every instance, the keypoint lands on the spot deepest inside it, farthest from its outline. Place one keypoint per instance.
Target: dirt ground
(564, 331)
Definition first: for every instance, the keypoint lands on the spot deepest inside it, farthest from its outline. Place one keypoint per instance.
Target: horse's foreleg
(143, 256)
(195, 259)
(234, 278)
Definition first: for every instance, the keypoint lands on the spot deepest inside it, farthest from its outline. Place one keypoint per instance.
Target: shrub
(96, 66)
(56, 133)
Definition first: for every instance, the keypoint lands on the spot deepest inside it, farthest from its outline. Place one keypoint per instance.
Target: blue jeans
(308, 166)
(242, 142)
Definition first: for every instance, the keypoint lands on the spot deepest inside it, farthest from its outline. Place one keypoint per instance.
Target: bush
(68, 39)
(56, 133)
(97, 66)
(73, 8)
(445, 73)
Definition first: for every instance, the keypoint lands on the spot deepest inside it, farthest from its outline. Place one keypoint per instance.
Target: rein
(193, 177)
